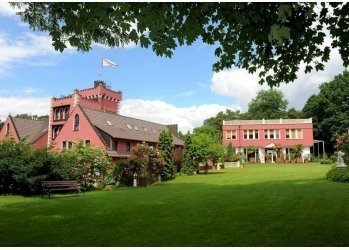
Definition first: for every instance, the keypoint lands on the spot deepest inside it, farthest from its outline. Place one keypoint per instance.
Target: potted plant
(298, 150)
(268, 158)
(293, 157)
(281, 159)
(252, 150)
(277, 147)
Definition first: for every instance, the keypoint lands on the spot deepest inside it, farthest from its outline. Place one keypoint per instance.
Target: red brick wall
(12, 131)
(307, 139)
(41, 142)
(85, 132)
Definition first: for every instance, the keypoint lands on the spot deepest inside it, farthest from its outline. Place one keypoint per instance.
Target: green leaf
(284, 11)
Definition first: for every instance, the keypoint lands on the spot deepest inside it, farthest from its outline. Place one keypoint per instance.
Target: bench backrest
(59, 183)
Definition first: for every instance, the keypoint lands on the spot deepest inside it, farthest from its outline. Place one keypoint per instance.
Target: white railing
(232, 164)
(263, 121)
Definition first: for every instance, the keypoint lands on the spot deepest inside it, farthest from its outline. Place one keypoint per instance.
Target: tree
(330, 110)
(229, 153)
(165, 147)
(32, 117)
(189, 163)
(217, 121)
(275, 38)
(268, 104)
(292, 113)
(207, 146)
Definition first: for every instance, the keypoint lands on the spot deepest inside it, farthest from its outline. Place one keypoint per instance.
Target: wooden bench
(51, 186)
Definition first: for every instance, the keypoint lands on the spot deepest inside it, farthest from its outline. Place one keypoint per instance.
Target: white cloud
(161, 112)
(241, 85)
(24, 49)
(6, 9)
(237, 83)
(19, 105)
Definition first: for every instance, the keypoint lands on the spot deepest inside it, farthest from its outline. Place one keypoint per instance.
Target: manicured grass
(258, 205)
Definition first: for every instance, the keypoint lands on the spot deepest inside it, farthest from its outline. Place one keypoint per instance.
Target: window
(129, 126)
(136, 128)
(61, 111)
(114, 145)
(231, 134)
(128, 146)
(7, 128)
(87, 142)
(109, 123)
(251, 134)
(294, 133)
(76, 122)
(66, 110)
(64, 144)
(70, 144)
(272, 134)
(56, 115)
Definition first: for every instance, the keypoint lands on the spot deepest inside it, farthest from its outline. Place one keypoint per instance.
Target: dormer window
(76, 122)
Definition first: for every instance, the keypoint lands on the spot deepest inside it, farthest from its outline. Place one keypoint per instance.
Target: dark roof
(128, 128)
(32, 129)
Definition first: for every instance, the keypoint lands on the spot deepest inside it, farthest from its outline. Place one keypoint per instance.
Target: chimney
(173, 128)
(99, 82)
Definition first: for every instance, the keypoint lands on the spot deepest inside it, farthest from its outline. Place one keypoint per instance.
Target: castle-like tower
(100, 97)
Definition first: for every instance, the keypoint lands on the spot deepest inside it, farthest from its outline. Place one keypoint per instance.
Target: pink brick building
(90, 115)
(34, 131)
(264, 134)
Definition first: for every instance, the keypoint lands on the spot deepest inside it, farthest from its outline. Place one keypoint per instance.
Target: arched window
(61, 112)
(56, 113)
(76, 122)
(7, 128)
(66, 113)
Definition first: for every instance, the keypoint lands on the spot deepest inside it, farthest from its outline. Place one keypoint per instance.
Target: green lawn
(258, 205)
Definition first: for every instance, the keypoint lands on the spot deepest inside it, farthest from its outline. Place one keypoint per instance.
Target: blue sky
(182, 90)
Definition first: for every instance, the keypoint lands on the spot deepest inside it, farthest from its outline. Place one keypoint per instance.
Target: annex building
(90, 115)
(265, 134)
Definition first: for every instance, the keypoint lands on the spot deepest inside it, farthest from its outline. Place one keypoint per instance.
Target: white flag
(108, 63)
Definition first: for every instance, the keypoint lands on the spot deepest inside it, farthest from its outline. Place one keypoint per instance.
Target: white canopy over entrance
(271, 145)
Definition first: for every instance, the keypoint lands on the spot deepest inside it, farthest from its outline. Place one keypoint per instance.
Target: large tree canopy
(330, 110)
(273, 38)
(268, 104)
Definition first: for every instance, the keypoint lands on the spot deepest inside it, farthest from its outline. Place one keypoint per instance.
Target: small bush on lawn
(338, 174)
(326, 162)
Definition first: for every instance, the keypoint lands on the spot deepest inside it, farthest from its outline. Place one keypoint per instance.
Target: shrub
(22, 168)
(333, 157)
(326, 162)
(338, 174)
(85, 164)
(144, 161)
(121, 173)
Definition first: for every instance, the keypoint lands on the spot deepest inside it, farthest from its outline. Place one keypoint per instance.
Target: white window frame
(267, 134)
(296, 132)
(253, 135)
(231, 134)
